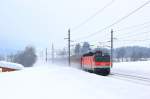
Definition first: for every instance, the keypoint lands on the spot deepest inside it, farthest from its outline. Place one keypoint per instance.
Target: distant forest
(130, 53)
(134, 53)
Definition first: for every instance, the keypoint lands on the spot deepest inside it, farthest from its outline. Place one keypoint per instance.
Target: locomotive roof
(89, 54)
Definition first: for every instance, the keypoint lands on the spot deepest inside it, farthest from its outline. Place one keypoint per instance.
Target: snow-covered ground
(140, 68)
(49, 81)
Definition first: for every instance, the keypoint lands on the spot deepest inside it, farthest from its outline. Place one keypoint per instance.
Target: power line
(133, 26)
(137, 40)
(118, 21)
(92, 16)
(134, 35)
(133, 31)
(103, 41)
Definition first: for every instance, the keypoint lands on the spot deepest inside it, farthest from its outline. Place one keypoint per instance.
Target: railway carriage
(97, 62)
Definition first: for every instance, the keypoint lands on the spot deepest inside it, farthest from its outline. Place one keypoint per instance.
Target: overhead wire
(127, 33)
(92, 16)
(133, 26)
(136, 34)
(116, 22)
(134, 41)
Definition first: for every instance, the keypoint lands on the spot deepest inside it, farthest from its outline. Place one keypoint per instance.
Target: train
(97, 62)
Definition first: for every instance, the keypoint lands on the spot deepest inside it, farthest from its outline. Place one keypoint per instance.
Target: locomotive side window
(100, 57)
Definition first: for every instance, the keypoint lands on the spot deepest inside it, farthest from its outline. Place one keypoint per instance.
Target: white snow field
(48, 81)
(140, 68)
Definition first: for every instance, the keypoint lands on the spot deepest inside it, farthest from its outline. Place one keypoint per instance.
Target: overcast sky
(43, 22)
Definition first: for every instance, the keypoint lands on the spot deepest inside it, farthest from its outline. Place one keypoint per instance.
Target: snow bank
(11, 65)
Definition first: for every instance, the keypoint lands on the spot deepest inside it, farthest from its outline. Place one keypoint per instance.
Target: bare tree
(1, 57)
(85, 48)
(77, 50)
(26, 57)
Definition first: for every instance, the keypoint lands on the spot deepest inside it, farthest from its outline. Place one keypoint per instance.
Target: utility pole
(52, 53)
(69, 63)
(69, 47)
(46, 55)
(111, 48)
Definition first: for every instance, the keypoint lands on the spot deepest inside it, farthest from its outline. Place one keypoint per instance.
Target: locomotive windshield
(98, 54)
(101, 57)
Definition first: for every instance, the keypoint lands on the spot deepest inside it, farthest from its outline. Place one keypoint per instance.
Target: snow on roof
(11, 65)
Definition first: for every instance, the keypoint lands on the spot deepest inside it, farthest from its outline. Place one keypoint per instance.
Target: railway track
(132, 78)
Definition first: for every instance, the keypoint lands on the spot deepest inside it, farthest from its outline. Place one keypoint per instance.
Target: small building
(9, 66)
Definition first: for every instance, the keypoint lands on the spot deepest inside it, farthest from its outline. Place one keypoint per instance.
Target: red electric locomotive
(96, 62)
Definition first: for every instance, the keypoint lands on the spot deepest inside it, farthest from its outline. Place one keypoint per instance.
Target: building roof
(11, 65)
